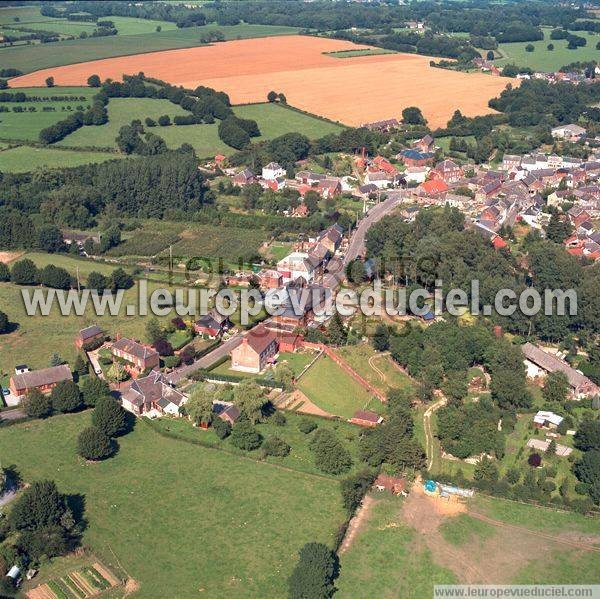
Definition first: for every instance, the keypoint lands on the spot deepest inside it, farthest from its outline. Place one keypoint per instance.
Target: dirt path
(535, 533)
(379, 372)
(429, 444)
(356, 523)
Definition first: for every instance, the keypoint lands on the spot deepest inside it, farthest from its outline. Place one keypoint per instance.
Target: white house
(416, 174)
(547, 419)
(378, 178)
(298, 264)
(273, 171)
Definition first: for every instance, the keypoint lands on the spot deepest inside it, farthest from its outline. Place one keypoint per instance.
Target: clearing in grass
(233, 515)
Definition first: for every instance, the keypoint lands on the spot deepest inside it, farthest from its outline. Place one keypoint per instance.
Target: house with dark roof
(138, 357)
(212, 324)
(257, 349)
(152, 393)
(89, 337)
(43, 380)
(244, 177)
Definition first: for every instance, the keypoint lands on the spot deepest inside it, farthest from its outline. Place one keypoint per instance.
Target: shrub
(36, 404)
(93, 444)
(274, 446)
(307, 426)
(279, 418)
(331, 456)
(24, 272)
(534, 460)
(221, 427)
(245, 436)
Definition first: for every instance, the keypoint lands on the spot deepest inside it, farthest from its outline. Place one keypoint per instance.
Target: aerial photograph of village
(299, 299)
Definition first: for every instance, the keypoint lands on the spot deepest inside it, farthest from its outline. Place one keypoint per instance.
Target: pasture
(38, 115)
(311, 80)
(22, 159)
(273, 120)
(42, 56)
(542, 59)
(243, 521)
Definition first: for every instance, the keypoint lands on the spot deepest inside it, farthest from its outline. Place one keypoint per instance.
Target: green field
(273, 120)
(336, 392)
(542, 59)
(27, 125)
(387, 558)
(227, 525)
(26, 158)
(41, 56)
(353, 53)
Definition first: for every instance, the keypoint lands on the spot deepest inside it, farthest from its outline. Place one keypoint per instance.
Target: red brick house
(425, 144)
(230, 414)
(289, 342)
(90, 336)
(139, 357)
(449, 171)
(269, 279)
(43, 380)
(258, 348)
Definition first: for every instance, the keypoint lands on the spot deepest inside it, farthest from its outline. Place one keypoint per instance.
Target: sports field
(341, 90)
(542, 59)
(179, 519)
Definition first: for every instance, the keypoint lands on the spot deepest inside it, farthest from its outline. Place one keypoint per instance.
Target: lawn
(41, 56)
(336, 392)
(22, 159)
(273, 120)
(542, 59)
(27, 125)
(464, 529)
(385, 559)
(211, 521)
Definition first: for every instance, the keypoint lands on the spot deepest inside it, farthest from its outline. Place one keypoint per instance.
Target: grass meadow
(542, 59)
(26, 126)
(22, 159)
(273, 120)
(386, 558)
(42, 56)
(212, 523)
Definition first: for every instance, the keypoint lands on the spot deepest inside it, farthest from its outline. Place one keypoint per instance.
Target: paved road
(206, 361)
(356, 245)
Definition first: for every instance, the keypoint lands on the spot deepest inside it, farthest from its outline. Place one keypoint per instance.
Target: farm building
(43, 380)
(569, 132)
(547, 420)
(539, 363)
(366, 418)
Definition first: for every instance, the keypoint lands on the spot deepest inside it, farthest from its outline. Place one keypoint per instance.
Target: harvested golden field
(350, 90)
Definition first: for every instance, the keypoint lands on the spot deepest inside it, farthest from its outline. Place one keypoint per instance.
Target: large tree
(36, 404)
(314, 574)
(199, 407)
(587, 436)
(250, 399)
(94, 444)
(330, 454)
(66, 397)
(39, 505)
(109, 416)
(556, 387)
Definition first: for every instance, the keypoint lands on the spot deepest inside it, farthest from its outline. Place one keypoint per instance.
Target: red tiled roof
(259, 338)
(434, 186)
(499, 243)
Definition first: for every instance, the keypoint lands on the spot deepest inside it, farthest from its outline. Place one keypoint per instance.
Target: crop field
(273, 120)
(330, 388)
(542, 59)
(234, 515)
(37, 116)
(23, 159)
(311, 80)
(42, 56)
